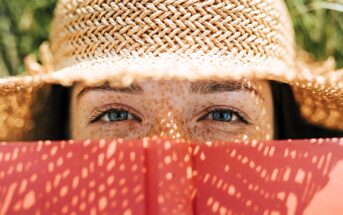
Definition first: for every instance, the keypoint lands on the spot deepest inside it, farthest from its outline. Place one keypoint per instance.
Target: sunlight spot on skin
(169, 120)
(245, 137)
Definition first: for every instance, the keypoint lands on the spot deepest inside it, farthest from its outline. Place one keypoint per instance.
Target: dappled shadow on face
(164, 176)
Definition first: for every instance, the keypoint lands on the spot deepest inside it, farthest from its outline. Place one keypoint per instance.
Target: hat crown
(85, 30)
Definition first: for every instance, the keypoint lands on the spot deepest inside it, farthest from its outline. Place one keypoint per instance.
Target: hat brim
(318, 89)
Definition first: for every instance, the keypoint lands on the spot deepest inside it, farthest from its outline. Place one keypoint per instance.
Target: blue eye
(115, 116)
(223, 115)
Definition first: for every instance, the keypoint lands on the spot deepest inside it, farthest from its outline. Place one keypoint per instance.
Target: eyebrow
(132, 89)
(198, 87)
(213, 87)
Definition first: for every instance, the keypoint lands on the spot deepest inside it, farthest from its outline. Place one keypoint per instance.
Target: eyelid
(101, 111)
(241, 115)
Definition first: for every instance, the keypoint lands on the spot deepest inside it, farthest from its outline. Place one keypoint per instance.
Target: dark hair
(288, 122)
(52, 118)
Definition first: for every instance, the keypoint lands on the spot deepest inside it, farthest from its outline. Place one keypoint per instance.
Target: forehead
(177, 86)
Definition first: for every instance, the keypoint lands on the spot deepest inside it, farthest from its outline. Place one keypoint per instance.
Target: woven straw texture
(88, 29)
(122, 41)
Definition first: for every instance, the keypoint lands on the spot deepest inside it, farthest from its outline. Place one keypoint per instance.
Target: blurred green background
(24, 25)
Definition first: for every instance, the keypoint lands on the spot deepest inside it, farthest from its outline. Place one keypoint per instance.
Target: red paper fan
(162, 176)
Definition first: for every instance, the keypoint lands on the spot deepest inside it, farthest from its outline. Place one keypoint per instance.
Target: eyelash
(108, 109)
(240, 115)
(98, 114)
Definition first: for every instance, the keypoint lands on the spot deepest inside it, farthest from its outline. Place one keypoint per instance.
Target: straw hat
(123, 41)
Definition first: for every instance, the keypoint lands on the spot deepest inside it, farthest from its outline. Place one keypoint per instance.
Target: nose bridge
(169, 125)
(168, 122)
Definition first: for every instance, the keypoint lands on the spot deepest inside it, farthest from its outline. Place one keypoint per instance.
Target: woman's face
(197, 111)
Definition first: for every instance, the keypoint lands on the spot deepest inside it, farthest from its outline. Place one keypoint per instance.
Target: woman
(197, 70)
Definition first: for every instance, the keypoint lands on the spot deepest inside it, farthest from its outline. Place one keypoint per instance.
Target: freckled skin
(169, 108)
